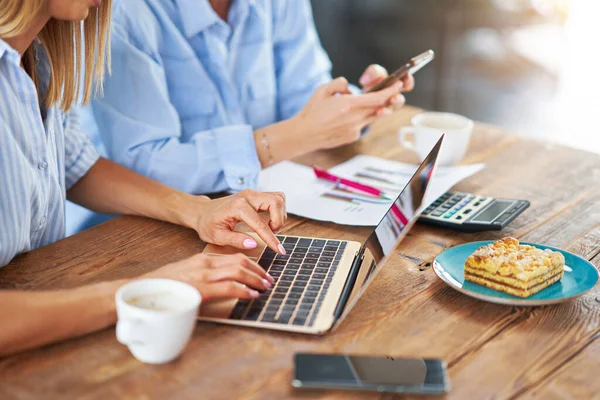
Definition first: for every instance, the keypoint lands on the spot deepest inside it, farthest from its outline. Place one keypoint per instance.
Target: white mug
(156, 318)
(427, 128)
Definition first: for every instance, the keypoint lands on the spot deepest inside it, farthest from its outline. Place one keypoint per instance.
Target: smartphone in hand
(412, 66)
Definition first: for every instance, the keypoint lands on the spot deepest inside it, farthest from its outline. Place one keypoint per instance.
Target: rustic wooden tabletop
(493, 351)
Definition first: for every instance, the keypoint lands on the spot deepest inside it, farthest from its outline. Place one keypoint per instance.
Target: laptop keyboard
(302, 278)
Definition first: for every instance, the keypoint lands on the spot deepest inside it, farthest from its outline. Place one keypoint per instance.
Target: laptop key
(301, 284)
(330, 248)
(265, 262)
(287, 278)
(275, 274)
(289, 272)
(302, 312)
(319, 276)
(295, 260)
(290, 239)
(280, 262)
(326, 259)
(313, 287)
(296, 289)
(284, 284)
(302, 250)
(268, 317)
(328, 280)
(276, 268)
(315, 250)
(328, 253)
(308, 300)
(333, 243)
(287, 308)
(291, 302)
(308, 266)
(313, 255)
(323, 264)
(311, 260)
(281, 290)
(253, 314)
(238, 312)
(294, 295)
(316, 282)
(310, 294)
(305, 272)
(299, 321)
(304, 242)
(292, 266)
(300, 277)
(305, 306)
(282, 257)
(322, 271)
(284, 318)
(318, 242)
(298, 254)
(343, 245)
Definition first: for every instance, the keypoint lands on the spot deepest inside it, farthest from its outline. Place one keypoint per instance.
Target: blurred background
(530, 66)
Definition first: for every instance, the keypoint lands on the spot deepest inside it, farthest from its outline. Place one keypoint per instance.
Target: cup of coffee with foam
(426, 129)
(156, 318)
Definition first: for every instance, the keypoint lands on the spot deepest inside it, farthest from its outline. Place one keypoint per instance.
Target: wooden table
(492, 351)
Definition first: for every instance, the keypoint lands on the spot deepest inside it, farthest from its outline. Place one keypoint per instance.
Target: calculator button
(468, 210)
(437, 214)
(459, 217)
(476, 204)
(447, 216)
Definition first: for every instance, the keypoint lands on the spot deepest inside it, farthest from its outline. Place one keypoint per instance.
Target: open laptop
(319, 281)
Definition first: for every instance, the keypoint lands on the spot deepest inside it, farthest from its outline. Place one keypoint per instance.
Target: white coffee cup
(426, 128)
(156, 318)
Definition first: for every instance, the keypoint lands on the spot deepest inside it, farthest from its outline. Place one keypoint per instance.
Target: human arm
(32, 319)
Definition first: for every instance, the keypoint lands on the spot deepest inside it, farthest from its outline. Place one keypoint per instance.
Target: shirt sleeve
(80, 153)
(141, 129)
(301, 64)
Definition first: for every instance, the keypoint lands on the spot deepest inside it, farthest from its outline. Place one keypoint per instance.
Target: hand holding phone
(411, 66)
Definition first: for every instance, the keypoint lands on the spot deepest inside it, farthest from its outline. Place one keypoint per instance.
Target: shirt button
(241, 180)
(43, 165)
(43, 221)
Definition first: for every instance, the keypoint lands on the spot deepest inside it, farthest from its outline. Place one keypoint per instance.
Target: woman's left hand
(219, 217)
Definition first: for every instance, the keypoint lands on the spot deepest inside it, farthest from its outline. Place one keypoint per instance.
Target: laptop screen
(394, 225)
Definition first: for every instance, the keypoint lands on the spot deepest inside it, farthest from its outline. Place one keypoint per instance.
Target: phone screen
(380, 373)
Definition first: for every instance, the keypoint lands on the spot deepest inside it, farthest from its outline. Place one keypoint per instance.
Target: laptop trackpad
(217, 309)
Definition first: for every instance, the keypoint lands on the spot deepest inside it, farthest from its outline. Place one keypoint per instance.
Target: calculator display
(493, 211)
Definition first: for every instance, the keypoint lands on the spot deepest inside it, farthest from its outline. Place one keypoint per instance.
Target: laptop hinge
(349, 285)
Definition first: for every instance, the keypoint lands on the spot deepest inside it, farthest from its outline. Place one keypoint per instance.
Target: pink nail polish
(249, 243)
(281, 249)
(399, 85)
(270, 278)
(253, 293)
(267, 284)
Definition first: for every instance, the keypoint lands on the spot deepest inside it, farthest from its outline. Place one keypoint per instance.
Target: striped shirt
(42, 154)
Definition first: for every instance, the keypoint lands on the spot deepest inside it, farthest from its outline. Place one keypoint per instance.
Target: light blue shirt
(187, 90)
(42, 154)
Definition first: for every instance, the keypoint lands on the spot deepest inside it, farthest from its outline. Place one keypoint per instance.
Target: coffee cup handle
(128, 331)
(402, 137)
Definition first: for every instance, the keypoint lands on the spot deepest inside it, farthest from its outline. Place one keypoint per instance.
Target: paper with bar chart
(310, 197)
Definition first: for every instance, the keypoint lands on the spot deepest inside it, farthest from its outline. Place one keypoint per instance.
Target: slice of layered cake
(513, 268)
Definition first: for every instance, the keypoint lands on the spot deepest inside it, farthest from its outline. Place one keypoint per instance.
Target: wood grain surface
(493, 351)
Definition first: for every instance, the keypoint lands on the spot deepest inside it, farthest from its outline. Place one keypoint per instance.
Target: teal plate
(580, 276)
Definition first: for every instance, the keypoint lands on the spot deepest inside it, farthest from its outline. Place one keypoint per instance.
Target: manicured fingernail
(399, 85)
(365, 79)
(249, 243)
(270, 278)
(267, 284)
(281, 249)
(253, 293)
(397, 99)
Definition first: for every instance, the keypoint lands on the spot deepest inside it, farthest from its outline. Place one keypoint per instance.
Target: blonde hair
(76, 51)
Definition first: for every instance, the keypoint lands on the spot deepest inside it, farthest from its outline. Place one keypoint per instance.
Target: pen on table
(322, 174)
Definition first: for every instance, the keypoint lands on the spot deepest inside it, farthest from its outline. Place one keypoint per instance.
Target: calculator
(472, 213)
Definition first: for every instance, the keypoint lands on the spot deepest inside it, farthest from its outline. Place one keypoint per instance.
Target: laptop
(320, 280)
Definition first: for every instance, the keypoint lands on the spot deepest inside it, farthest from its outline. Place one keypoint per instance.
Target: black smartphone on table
(411, 66)
(373, 373)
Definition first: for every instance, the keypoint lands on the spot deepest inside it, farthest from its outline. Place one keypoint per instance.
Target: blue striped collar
(6, 49)
(198, 15)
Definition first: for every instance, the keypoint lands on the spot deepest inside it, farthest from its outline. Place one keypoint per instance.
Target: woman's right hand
(334, 117)
(218, 277)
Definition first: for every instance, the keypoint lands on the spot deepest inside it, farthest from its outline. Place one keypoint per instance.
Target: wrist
(186, 209)
(282, 141)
